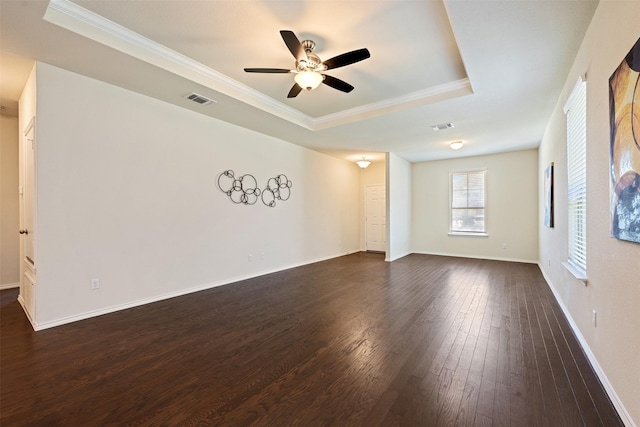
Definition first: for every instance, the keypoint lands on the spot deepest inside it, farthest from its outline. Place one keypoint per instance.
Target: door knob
(23, 231)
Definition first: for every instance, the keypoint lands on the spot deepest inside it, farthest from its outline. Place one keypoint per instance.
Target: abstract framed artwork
(548, 196)
(624, 122)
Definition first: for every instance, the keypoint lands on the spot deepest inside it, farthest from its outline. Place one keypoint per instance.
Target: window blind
(576, 111)
(468, 202)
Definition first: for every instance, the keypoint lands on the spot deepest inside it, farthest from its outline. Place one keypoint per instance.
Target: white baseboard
(9, 286)
(26, 312)
(622, 411)
(527, 261)
(106, 310)
(388, 259)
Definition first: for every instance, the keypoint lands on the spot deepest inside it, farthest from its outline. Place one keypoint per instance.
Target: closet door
(375, 218)
(27, 220)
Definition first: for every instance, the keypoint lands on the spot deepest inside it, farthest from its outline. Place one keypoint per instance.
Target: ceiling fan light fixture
(308, 80)
(363, 163)
(456, 145)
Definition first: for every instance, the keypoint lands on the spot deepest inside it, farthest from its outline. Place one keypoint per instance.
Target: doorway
(27, 212)
(375, 218)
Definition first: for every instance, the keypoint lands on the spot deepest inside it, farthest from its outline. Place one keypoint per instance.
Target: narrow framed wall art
(548, 196)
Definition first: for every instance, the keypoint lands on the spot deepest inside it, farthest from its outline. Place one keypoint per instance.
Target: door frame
(28, 269)
(365, 215)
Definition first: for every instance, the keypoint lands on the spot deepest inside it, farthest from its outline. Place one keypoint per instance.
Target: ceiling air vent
(202, 100)
(442, 126)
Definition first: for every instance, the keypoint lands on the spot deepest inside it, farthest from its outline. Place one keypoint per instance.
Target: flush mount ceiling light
(456, 145)
(363, 163)
(442, 126)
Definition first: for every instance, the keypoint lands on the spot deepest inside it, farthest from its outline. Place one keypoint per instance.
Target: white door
(27, 191)
(375, 218)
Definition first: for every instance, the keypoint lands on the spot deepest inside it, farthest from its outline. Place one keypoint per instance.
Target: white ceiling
(493, 68)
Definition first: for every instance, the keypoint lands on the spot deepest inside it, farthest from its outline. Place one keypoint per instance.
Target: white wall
(9, 212)
(613, 266)
(511, 215)
(127, 193)
(398, 207)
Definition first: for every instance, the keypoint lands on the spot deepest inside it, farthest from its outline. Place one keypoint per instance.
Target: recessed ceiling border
(93, 26)
(86, 23)
(430, 95)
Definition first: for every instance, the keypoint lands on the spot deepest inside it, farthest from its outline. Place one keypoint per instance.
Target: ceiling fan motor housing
(313, 61)
(308, 45)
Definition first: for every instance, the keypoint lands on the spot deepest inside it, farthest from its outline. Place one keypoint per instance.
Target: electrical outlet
(95, 284)
(261, 256)
(594, 318)
(504, 246)
(250, 258)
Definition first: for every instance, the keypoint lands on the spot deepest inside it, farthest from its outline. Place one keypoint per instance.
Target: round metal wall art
(278, 188)
(244, 189)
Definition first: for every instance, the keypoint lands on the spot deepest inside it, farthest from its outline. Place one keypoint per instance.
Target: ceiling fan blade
(337, 83)
(266, 70)
(295, 90)
(347, 58)
(294, 45)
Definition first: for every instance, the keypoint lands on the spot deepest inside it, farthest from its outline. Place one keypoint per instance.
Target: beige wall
(613, 266)
(512, 207)
(373, 175)
(9, 207)
(127, 194)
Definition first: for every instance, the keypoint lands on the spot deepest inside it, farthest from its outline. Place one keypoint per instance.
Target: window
(576, 111)
(467, 194)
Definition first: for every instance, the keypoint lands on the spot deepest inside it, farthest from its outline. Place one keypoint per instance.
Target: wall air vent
(202, 100)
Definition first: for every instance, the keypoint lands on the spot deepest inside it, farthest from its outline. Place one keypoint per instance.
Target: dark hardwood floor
(354, 341)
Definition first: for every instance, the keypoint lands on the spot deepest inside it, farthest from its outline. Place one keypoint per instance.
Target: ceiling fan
(309, 71)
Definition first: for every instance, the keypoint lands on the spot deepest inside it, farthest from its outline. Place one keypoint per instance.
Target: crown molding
(427, 96)
(86, 23)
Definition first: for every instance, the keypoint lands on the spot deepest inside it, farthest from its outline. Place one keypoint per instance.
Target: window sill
(467, 234)
(577, 272)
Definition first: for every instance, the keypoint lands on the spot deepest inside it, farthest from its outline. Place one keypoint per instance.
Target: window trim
(577, 184)
(465, 233)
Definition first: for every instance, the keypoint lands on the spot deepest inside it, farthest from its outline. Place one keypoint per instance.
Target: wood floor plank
(530, 377)
(543, 371)
(568, 406)
(607, 415)
(352, 341)
(467, 413)
(466, 381)
(581, 395)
